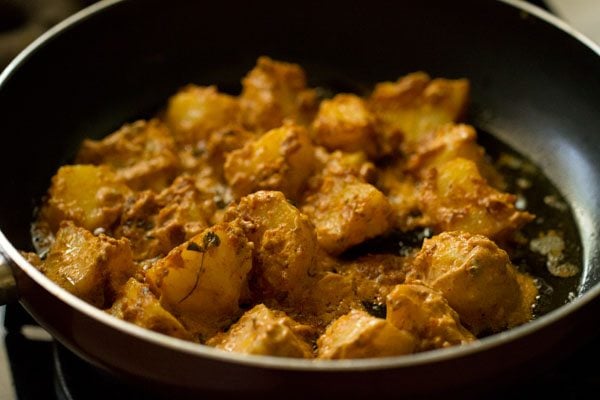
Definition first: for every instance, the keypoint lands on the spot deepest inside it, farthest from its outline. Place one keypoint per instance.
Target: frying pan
(535, 85)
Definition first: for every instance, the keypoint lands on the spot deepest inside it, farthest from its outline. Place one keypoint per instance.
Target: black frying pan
(535, 85)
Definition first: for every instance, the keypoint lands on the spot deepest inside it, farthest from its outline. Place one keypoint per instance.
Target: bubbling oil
(536, 193)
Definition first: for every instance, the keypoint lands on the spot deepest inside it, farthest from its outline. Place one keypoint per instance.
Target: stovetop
(40, 368)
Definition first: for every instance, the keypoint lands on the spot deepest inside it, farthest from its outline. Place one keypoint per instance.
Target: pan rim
(193, 349)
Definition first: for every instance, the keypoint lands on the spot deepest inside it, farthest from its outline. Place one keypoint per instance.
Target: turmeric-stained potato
(359, 335)
(375, 275)
(329, 296)
(136, 303)
(91, 267)
(274, 91)
(478, 280)
(219, 144)
(401, 190)
(201, 280)
(426, 314)
(345, 123)
(266, 332)
(142, 154)
(204, 159)
(456, 197)
(285, 244)
(416, 104)
(185, 208)
(448, 142)
(156, 223)
(282, 159)
(346, 211)
(341, 164)
(195, 112)
(90, 196)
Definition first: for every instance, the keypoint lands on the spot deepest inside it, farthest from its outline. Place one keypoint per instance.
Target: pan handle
(8, 284)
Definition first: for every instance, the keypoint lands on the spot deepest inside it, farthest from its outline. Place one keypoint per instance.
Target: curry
(250, 223)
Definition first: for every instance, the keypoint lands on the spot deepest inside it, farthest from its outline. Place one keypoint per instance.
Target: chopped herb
(375, 309)
(193, 246)
(211, 240)
(220, 203)
(198, 151)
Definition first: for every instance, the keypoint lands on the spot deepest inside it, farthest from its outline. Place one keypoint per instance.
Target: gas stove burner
(75, 379)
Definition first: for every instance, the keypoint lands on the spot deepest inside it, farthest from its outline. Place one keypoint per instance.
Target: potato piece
(345, 123)
(282, 159)
(417, 104)
(448, 142)
(195, 112)
(201, 280)
(218, 145)
(455, 197)
(91, 267)
(329, 296)
(184, 208)
(137, 304)
(341, 164)
(284, 243)
(346, 211)
(156, 223)
(375, 275)
(478, 280)
(401, 191)
(359, 335)
(142, 154)
(266, 332)
(274, 91)
(90, 196)
(426, 314)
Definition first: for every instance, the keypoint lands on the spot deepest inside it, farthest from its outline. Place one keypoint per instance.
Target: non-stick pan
(535, 86)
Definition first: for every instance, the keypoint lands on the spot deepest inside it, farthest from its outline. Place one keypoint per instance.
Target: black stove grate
(47, 370)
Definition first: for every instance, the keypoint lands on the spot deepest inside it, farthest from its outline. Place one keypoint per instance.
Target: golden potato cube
(401, 191)
(448, 142)
(265, 332)
(285, 244)
(375, 275)
(477, 279)
(457, 198)
(90, 196)
(142, 154)
(347, 211)
(184, 208)
(137, 304)
(417, 104)
(274, 91)
(345, 123)
(201, 280)
(195, 112)
(221, 143)
(91, 267)
(156, 223)
(360, 335)
(426, 314)
(329, 296)
(282, 159)
(341, 164)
